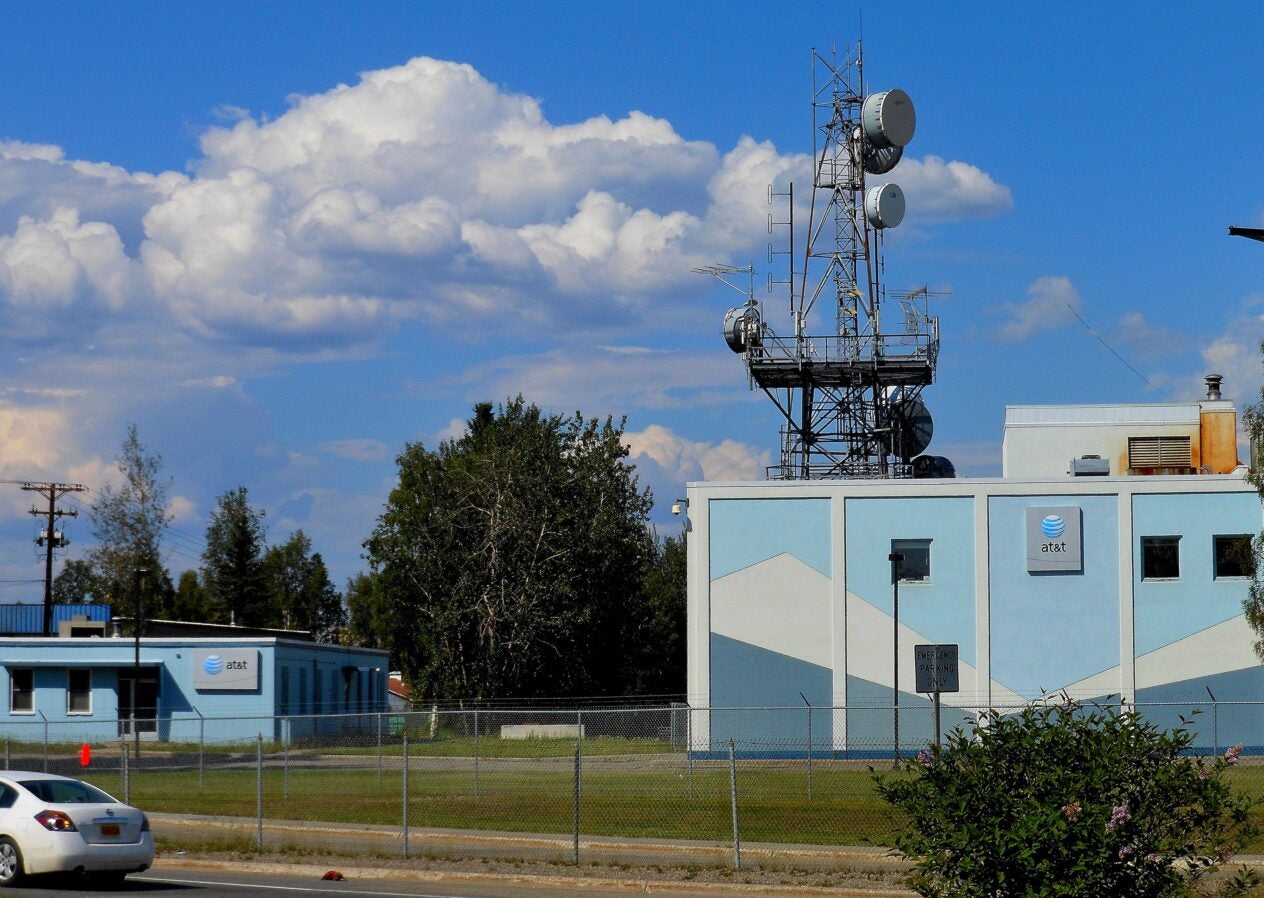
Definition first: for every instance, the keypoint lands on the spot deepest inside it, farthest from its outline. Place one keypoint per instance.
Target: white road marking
(209, 882)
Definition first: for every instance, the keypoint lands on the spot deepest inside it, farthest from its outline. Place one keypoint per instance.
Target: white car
(52, 824)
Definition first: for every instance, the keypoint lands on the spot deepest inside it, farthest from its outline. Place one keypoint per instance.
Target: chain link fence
(553, 784)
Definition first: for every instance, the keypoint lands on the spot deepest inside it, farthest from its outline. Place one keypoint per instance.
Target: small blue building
(186, 688)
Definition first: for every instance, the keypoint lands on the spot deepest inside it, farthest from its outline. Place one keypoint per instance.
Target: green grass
(647, 798)
(657, 803)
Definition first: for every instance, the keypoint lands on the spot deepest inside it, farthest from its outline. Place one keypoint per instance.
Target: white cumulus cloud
(950, 191)
(688, 460)
(1052, 302)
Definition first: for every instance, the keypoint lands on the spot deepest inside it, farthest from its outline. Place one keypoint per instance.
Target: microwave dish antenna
(848, 389)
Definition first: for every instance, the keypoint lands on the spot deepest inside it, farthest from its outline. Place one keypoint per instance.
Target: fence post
(575, 812)
(809, 750)
(285, 756)
(259, 790)
(737, 841)
(476, 752)
(379, 748)
(41, 714)
(201, 749)
(689, 747)
(405, 790)
(127, 782)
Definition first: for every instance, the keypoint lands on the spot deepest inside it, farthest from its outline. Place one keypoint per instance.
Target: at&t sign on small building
(227, 669)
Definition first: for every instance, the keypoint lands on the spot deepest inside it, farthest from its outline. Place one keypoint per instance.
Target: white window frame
(70, 692)
(29, 671)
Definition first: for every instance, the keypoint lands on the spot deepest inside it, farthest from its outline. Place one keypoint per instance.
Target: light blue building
(1105, 562)
(186, 688)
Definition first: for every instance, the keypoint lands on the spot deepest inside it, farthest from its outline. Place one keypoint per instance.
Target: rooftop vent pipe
(1213, 386)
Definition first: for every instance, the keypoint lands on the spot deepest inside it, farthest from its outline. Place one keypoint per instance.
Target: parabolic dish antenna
(884, 206)
(888, 118)
(741, 328)
(877, 160)
(911, 428)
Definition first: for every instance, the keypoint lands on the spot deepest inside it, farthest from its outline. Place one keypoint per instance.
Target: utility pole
(50, 539)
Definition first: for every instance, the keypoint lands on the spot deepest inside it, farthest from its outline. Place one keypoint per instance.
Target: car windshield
(66, 792)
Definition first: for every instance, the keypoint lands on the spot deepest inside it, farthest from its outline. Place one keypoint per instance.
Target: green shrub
(1065, 800)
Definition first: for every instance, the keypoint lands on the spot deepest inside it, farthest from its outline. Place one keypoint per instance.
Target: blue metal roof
(21, 620)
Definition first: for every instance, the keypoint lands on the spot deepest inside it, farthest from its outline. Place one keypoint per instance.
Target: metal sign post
(936, 672)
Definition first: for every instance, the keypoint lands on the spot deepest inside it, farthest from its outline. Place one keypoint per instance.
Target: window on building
(915, 568)
(22, 690)
(1160, 557)
(1232, 555)
(79, 691)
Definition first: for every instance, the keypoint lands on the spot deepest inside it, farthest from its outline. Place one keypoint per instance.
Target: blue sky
(285, 239)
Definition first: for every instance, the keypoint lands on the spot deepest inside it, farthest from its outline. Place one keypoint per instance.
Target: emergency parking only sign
(936, 668)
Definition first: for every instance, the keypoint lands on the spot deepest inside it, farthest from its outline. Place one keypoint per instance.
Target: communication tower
(847, 381)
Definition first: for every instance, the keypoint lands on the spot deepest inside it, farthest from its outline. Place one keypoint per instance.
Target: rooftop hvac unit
(1090, 466)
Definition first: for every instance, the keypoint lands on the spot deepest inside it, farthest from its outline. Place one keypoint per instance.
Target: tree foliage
(655, 638)
(233, 572)
(1253, 604)
(1065, 800)
(191, 602)
(510, 561)
(128, 522)
(366, 611)
(303, 597)
(76, 583)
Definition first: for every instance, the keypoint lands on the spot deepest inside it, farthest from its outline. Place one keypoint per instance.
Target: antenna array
(850, 392)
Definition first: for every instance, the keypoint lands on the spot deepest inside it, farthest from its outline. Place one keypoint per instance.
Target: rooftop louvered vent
(1159, 452)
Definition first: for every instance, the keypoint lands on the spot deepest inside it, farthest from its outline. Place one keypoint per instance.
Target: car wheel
(10, 862)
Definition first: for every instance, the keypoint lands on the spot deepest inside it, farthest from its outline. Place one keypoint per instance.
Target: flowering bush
(1065, 800)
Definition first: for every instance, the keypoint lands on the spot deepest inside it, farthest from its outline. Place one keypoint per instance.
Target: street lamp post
(896, 559)
(141, 575)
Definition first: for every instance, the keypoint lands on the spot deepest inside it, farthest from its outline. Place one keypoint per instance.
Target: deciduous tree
(76, 584)
(510, 561)
(128, 521)
(303, 596)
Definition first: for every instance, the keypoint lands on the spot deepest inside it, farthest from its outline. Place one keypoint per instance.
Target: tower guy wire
(1109, 349)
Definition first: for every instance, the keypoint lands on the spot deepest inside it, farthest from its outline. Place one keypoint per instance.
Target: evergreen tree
(233, 571)
(191, 602)
(656, 639)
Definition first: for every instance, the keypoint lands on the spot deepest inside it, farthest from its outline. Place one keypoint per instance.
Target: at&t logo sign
(1054, 539)
(1053, 526)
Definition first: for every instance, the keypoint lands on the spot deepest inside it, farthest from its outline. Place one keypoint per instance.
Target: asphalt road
(194, 882)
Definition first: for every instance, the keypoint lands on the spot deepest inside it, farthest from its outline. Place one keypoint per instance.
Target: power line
(51, 538)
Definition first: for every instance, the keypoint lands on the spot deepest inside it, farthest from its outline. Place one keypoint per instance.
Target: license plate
(109, 829)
